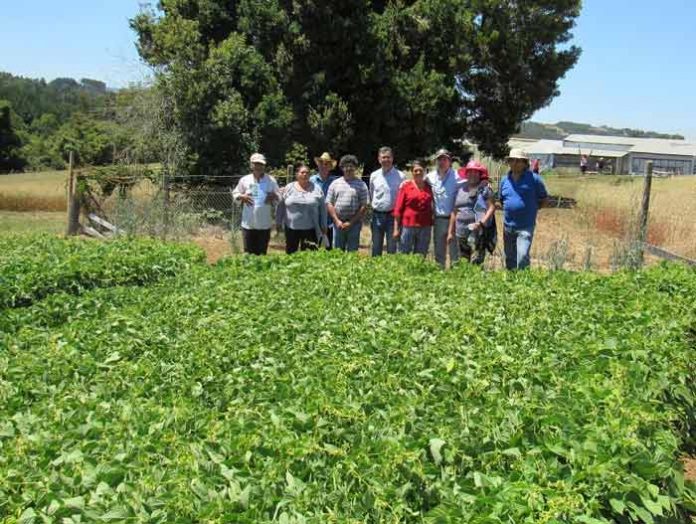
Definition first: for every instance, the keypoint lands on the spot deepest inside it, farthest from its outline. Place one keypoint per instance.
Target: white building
(621, 155)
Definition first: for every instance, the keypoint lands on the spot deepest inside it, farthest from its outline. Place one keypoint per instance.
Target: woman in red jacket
(413, 213)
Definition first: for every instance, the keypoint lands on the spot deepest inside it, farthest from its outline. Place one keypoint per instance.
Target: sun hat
(258, 158)
(325, 157)
(473, 165)
(518, 154)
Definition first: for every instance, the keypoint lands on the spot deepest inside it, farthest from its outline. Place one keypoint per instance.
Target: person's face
(258, 168)
(349, 171)
(418, 173)
(443, 163)
(302, 175)
(474, 177)
(324, 167)
(517, 165)
(386, 160)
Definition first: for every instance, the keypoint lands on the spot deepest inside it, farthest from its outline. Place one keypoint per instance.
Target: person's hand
(271, 197)
(477, 226)
(247, 199)
(450, 238)
(396, 234)
(345, 226)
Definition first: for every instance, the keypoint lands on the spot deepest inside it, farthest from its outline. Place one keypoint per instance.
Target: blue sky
(637, 68)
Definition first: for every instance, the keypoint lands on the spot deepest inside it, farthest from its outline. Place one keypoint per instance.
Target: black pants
(330, 235)
(302, 239)
(256, 241)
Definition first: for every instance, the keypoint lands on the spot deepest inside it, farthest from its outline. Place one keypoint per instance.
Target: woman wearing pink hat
(473, 221)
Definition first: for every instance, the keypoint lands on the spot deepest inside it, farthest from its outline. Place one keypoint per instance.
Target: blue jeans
(518, 243)
(347, 239)
(382, 225)
(415, 240)
(440, 243)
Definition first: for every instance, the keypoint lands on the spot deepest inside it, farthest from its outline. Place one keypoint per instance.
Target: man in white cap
(257, 192)
(384, 188)
(522, 194)
(444, 184)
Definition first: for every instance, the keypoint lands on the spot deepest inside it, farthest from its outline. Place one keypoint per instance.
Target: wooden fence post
(644, 210)
(74, 201)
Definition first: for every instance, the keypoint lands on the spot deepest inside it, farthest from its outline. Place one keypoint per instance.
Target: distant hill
(560, 130)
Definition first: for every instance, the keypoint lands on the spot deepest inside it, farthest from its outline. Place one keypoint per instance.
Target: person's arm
(543, 195)
(240, 193)
(364, 200)
(399, 211)
(452, 226)
(330, 206)
(280, 210)
(322, 211)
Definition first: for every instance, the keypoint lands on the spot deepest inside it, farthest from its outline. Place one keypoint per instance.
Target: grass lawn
(32, 222)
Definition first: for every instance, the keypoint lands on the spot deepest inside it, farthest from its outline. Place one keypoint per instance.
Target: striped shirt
(347, 196)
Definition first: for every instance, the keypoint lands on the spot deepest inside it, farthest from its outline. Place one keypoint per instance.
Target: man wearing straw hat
(445, 185)
(323, 178)
(522, 194)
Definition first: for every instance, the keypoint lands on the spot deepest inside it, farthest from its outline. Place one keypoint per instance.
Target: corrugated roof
(653, 146)
(556, 147)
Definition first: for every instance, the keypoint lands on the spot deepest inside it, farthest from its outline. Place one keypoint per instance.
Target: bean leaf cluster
(326, 387)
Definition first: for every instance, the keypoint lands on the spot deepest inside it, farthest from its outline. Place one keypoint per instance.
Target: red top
(414, 206)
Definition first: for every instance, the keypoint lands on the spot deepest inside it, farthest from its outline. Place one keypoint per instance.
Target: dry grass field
(594, 234)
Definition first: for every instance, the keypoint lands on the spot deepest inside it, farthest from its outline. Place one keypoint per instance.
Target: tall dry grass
(33, 192)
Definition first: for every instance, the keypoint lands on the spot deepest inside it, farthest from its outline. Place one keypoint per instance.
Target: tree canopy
(351, 75)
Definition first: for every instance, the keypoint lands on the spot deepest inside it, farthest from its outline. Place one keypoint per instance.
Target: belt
(382, 212)
(442, 217)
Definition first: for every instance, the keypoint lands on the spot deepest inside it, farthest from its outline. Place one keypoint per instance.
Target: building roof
(653, 146)
(556, 147)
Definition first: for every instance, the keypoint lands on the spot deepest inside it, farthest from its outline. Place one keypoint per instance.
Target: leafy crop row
(329, 388)
(33, 267)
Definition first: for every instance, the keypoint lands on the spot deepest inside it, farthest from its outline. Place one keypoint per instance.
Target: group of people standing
(453, 209)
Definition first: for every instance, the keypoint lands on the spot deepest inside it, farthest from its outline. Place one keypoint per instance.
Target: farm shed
(676, 157)
(554, 154)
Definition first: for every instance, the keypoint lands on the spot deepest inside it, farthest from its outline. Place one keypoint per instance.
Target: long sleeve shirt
(260, 215)
(414, 206)
(302, 210)
(384, 189)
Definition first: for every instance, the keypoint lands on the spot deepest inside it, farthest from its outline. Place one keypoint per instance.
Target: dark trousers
(300, 239)
(256, 241)
(330, 235)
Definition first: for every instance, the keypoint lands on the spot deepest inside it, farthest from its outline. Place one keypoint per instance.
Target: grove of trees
(290, 77)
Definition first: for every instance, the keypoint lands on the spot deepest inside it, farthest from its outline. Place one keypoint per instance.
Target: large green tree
(10, 142)
(351, 75)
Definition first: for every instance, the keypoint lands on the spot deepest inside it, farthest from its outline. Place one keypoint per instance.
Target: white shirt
(384, 188)
(260, 215)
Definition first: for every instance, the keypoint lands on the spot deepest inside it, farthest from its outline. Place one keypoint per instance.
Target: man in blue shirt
(445, 185)
(323, 179)
(522, 194)
(384, 188)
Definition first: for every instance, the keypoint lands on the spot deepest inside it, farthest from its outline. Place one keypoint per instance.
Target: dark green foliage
(36, 266)
(383, 390)
(352, 75)
(10, 143)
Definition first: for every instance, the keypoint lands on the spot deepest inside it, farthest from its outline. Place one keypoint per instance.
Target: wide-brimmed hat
(473, 165)
(518, 154)
(258, 158)
(442, 152)
(325, 157)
